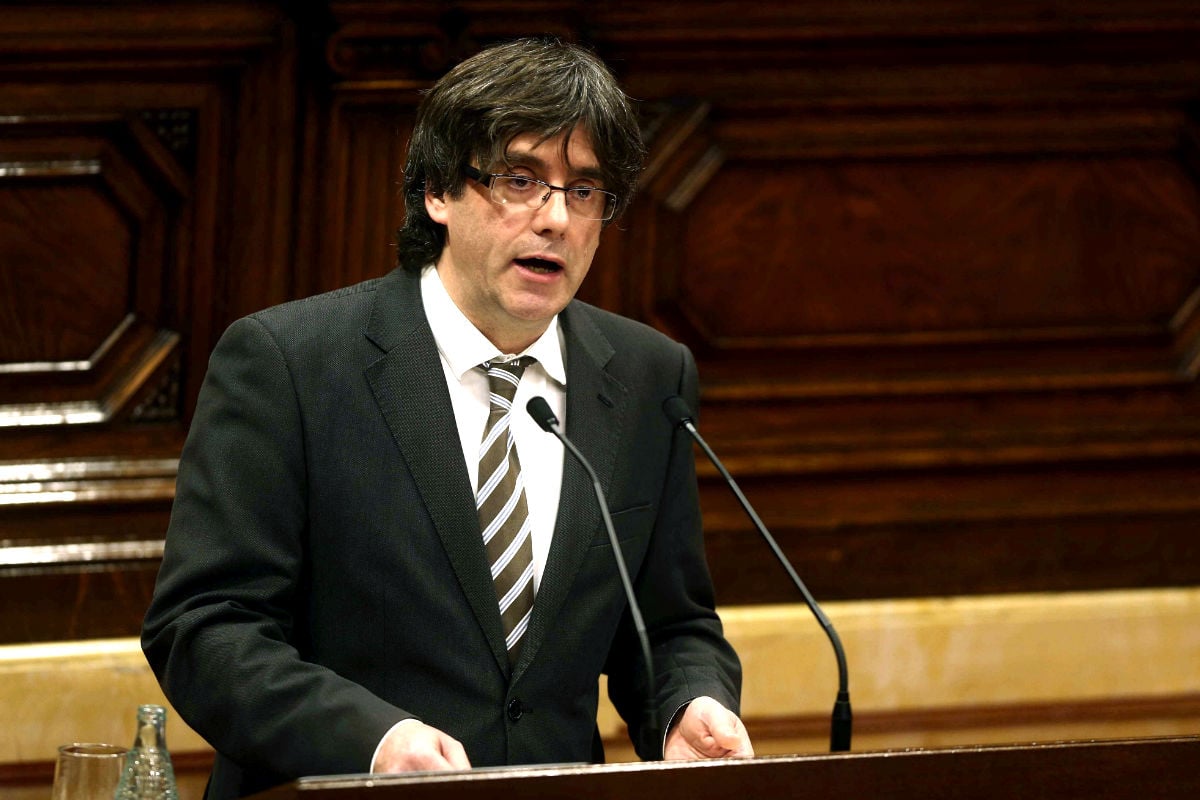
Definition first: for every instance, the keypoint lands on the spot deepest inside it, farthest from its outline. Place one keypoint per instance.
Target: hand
(416, 746)
(707, 729)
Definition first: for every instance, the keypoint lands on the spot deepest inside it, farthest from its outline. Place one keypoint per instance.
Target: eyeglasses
(585, 202)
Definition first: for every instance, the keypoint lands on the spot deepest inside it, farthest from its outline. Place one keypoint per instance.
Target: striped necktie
(500, 500)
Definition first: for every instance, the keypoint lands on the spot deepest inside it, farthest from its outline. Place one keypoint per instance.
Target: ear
(435, 206)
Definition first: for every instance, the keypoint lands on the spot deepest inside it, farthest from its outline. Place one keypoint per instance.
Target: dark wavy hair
(540, 86)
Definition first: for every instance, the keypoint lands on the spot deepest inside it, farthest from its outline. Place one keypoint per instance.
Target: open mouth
(539, 265)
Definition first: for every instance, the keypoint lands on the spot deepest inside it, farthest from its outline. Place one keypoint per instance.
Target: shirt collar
(464, 347)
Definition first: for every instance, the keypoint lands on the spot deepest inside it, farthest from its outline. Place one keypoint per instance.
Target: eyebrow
(523, 159)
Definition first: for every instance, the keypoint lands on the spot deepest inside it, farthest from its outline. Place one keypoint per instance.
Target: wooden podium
(1161, 768)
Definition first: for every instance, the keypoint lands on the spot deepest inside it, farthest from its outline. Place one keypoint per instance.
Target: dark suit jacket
(324, 575)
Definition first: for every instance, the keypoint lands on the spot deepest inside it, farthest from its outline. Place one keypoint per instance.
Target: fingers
(730, 735)
(415, 746)
(453, 752)
(708, 730)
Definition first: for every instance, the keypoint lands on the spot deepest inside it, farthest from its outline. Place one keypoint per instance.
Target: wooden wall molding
(116, 387)
(421, 40)
(112, 169)
(979, 314)
(937, 262)
(938, 268)
(351, 233)
(85, 480)
(147, 171)
(176, 130)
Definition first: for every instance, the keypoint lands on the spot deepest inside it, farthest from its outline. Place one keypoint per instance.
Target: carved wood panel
(943, 290)
(938, 263)
(92, 210)
(126, 140)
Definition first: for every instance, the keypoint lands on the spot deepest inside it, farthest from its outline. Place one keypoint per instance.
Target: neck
(512, 341)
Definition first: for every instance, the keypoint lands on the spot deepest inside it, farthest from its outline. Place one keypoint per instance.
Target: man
(352, 582)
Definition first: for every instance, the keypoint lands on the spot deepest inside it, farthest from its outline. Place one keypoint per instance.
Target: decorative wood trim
(688, 150)
(175, 128)
(86, 481)
(78, 554)
(86, 365)
(115, 397)
(421, 41)
(124, 34)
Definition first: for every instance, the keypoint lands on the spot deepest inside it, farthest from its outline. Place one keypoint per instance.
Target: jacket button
(515, 710)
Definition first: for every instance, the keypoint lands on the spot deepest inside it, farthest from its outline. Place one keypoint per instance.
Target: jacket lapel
(596, 410)
(410, 388)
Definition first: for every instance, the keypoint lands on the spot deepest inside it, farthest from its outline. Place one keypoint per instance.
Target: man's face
(509, 268)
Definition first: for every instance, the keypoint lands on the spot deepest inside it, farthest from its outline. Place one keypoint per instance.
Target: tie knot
(503, 376)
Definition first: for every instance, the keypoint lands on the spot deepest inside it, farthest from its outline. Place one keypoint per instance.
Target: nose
(553, 217)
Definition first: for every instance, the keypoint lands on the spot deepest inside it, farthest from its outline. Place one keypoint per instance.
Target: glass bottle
(148, 772)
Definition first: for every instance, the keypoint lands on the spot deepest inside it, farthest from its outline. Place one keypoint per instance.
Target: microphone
(680, 415)
(544, 416)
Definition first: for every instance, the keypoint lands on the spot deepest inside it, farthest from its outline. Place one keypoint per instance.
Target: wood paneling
(939, 263)
(146, 179)
(359, 200)
(941, 277)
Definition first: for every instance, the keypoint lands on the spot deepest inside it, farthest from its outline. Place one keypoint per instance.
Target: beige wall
(987, 669)
(953, 658)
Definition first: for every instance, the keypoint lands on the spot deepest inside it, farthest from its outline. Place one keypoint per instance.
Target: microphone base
(843, 720)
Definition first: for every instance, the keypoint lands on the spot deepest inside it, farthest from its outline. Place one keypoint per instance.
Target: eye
(520, 183)
(583, 193)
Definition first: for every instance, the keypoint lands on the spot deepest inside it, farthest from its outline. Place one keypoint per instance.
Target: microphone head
(676, 409)
(542, 414)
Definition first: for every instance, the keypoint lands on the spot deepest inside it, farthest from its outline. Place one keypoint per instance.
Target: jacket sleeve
(219, 633)
(690, 654)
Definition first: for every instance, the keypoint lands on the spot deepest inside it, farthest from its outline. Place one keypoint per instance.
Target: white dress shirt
(462, 349)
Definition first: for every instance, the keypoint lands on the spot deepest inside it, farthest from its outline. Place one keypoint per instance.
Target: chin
(539, 309)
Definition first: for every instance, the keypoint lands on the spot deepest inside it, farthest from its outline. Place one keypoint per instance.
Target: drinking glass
(86, 771)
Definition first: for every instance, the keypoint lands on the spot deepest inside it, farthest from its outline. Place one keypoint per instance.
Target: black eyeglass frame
(488, 179)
